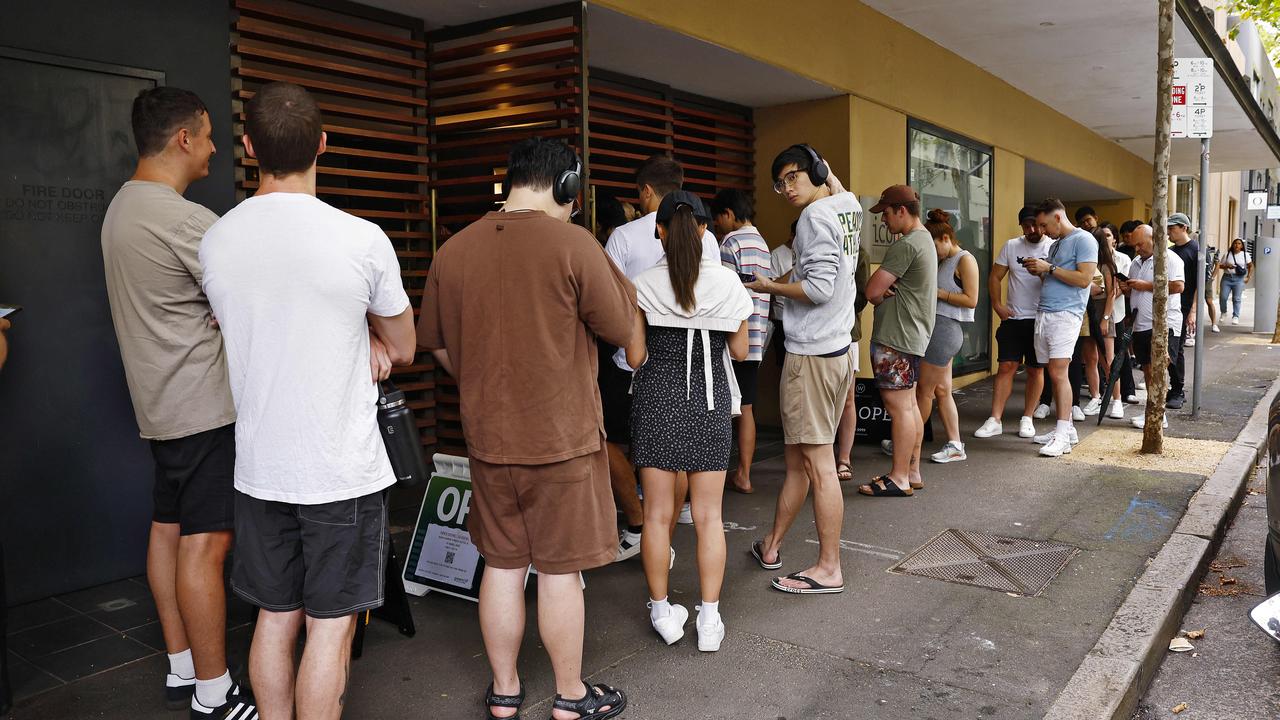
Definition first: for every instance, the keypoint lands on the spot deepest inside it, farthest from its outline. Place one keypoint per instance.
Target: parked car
(1271, 561)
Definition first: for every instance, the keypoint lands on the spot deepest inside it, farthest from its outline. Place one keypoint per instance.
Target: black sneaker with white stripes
(239, 706)
(178, 691)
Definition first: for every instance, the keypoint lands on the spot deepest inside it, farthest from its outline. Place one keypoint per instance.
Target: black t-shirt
(1189, 252)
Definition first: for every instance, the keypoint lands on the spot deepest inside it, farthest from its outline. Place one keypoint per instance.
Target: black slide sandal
(757, 552)
(588, 706)
(507, 701)
(889, 489)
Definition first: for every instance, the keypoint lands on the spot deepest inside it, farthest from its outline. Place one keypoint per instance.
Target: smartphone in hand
(8, 310)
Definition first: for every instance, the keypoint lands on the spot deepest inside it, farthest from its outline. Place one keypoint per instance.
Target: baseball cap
(1179, 219)
(674, 201)
(895, 195)
(1027, 212)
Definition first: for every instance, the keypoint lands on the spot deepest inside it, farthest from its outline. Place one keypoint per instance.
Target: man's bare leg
(902, 407)
(746, 448)
(795, 488)
(502, 618)
(1035, 386)
(622, 476)
(271, 668)
(324, 676)
(828, 511)
(1061, 387)
(847, 430)
(1002, 388)
(560, 623)
(202, 599)
(162, 576)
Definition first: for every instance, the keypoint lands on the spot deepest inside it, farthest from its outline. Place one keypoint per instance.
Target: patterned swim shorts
(894, 370)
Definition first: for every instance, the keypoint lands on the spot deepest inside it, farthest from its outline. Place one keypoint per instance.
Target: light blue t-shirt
(1056, 296)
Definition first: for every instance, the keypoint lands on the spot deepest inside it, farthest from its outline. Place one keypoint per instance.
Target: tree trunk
(1153, 433)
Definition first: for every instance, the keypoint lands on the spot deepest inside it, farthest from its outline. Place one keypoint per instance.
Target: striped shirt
(745, 252)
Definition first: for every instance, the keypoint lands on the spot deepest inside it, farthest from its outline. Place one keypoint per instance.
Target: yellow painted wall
(888, 63)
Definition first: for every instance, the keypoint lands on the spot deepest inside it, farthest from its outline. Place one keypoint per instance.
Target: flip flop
(844, 472)
(758, 554)
(814, 587)
(889, 489)
(737, 489)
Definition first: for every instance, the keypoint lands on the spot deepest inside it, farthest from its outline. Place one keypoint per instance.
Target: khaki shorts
(812, 395)
(558, 517)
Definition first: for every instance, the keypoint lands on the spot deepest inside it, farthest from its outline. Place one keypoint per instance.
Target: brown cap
(895, 195)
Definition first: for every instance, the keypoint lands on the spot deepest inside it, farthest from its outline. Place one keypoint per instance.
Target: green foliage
(1265, 15)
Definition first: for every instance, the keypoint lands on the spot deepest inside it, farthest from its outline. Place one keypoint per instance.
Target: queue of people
(253, 345)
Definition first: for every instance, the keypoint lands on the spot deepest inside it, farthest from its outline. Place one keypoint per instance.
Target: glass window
(954, 174)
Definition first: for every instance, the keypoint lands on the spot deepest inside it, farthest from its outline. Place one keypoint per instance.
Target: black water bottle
(400, 435)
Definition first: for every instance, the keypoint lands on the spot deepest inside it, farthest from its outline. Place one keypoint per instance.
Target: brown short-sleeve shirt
(173, 357)
(518, 299)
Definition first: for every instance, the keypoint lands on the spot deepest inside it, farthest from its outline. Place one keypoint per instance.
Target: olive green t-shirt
(904, 322)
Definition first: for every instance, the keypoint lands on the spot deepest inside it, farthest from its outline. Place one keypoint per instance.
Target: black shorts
(195, 481)
(615, 398)
(328, 559)
(1015, 342)
(747, 373)
(1142, 346)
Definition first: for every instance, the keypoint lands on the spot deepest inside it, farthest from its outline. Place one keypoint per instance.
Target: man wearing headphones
(819, 300)
(512, 307)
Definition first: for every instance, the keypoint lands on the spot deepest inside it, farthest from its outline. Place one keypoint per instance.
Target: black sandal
(588, 706)
(890, 488)
(492, 700)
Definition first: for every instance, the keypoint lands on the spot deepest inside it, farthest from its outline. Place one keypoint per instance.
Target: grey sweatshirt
(826, 249)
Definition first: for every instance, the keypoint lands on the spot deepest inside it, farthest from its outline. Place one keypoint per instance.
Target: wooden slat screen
(493, 83)
(632, 118)
(368, 72)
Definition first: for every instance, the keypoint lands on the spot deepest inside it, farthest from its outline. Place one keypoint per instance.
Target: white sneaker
(1140, 422)
(1132, 399)
(671, 627)
(709, 636)
(1057, 447)
(990, 428)
(686, 515)
(1093, 407)
(1215, 328)
(1191, 342)
(1048, 437)
(951, 452)
(1041, 412)
(1117, 410)
(886, 447)
(628, 546)
(1077, 415)
(1026, 428)
(1142, 384)
(1235, 320)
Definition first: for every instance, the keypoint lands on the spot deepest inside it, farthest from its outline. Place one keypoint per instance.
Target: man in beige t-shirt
(177, 375)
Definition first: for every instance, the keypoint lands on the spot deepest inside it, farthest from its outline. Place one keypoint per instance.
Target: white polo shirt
(1145, 269)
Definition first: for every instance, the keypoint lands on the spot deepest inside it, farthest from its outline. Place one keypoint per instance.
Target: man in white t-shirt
(634, 248)
(1015, 338)
(1140, 289)
(298, 286)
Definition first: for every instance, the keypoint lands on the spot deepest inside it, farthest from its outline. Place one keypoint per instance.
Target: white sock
(659, 609)
(1065, 427)
(213, 693)
(1028, 417)
(708, 612)
(182, 665)
(631, 537)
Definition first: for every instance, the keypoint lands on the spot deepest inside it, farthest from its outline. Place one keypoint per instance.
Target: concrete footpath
(893, 645)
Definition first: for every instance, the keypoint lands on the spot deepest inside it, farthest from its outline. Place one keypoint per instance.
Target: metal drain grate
(1012, 565)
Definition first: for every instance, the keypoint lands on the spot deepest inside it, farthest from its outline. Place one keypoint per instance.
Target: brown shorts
(812, 396)
(558, 517)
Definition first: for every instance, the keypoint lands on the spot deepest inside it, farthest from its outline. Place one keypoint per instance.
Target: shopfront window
(954, 174)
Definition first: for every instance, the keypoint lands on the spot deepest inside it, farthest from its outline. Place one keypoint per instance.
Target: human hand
(379, 359)
(833, 182)
(761, 284)
(1002, 311)
(5, 324)
(891, 291)
(1036, 266)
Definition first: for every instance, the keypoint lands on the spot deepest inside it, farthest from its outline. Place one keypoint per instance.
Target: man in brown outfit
(512, 307)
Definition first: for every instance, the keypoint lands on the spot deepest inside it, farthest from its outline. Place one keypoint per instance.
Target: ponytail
(684, 255)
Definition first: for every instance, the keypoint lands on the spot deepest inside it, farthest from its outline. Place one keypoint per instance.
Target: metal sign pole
(1201, 257)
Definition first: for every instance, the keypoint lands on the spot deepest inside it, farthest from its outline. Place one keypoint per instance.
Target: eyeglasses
(786, 181)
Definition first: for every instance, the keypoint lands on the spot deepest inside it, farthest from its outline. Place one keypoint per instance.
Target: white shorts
(1056, 334)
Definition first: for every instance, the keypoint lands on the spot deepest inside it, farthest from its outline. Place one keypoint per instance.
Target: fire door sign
(1192, 98)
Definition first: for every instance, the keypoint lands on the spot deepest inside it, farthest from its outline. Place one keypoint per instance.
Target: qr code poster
(441, 556)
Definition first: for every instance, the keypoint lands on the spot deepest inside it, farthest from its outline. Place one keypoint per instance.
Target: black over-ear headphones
(568, 184)
(817, 168)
